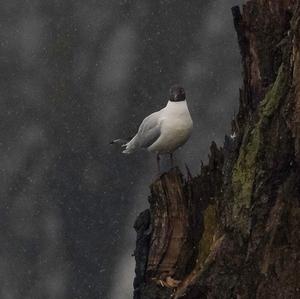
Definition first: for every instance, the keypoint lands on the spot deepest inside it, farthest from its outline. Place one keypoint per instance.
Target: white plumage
(164, 131)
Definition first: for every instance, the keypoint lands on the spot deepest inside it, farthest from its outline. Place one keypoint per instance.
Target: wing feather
(147, 134)
(149, 130)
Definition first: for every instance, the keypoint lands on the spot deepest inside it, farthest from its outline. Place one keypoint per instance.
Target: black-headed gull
(163, 131)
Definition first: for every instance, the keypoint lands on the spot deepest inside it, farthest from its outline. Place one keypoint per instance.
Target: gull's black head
(177, 93)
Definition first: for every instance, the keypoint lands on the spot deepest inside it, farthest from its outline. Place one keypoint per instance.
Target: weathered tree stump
(234, 231)
(169, 233)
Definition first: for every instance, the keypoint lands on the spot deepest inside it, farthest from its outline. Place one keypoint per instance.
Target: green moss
(273, 97)
(247, 164)
(210, 226)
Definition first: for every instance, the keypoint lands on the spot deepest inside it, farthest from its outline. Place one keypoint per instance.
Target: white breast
(176, 127)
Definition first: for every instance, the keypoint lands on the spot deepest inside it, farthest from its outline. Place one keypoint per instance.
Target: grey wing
(149, 130)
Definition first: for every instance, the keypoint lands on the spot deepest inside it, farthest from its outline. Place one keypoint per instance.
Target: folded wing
(147, 134)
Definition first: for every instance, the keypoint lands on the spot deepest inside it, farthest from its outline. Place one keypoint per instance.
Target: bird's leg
(171, 158)
(157, 161)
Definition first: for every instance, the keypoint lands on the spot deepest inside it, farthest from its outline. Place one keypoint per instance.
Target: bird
(163, 131)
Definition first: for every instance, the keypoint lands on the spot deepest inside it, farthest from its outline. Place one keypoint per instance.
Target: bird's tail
(120, 141)
(127, 143)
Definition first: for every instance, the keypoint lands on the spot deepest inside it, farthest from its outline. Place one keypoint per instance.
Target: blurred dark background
(75, 75)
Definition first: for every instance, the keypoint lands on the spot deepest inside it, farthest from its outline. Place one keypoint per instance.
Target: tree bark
(233, 231)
